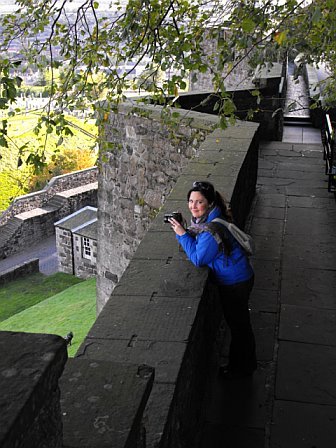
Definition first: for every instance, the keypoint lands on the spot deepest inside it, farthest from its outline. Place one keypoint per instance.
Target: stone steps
(7, 231)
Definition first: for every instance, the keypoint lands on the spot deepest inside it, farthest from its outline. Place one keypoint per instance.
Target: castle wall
(137, 174)
(163, 311)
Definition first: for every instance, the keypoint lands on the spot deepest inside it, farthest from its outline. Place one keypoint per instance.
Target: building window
(86, 248)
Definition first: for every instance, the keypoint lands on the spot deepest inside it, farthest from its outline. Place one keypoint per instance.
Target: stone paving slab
(266, 227)
(311, 221)
(271, 148)
(264, 325)
(304, 184)
(271, 200)
(235, 437)
(303, 324)
(302, 425)
(306, 373)
(294, 153)
(314, 254)
(164, 356)
(319, 191)
(264, 300)
(309, 287)
(268, 247)
(313, 202)
(161, 279)
(145, 318)
(240, 403)
(261, 211)
(267, 274)
(300, 174)
(304, 163)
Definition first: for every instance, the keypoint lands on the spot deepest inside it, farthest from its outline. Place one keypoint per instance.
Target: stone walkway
(297, 102)
(291, 400)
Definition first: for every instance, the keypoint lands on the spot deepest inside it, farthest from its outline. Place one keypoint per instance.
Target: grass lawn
(73, 309)
(23, 293)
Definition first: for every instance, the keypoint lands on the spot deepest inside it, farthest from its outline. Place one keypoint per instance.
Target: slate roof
(82, 222)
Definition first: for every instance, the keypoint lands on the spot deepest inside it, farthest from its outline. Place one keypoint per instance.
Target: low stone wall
(57, 184)
(165, 312)
(38, 223)
(29, 267)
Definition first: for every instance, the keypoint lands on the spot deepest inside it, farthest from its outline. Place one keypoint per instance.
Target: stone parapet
(30, 367)
(103, 402)
(164, 311)
(138, 170)
(29, 267)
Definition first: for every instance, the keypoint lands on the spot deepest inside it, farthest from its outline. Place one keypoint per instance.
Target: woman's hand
(177, 227)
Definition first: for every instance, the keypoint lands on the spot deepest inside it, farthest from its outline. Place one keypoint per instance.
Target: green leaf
(248, 25)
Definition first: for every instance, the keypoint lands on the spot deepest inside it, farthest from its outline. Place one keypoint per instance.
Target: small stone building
(76, 242)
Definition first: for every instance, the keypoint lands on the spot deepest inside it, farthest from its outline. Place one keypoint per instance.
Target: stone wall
(38, 223)
(136, 176)
(27, 268)
(30, 366)
(65, 250)
(57, 184)
(164, 312)
(84, 267)
(239, 78)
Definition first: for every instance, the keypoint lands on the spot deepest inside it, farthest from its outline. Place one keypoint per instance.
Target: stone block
(155, 415)
(224, 184)
(30, 366)
(160, 246)
(176, 278)
(145, 318)
(103, 402)
(164, 356)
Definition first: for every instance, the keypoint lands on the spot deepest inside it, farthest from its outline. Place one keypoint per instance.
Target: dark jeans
(234, 299)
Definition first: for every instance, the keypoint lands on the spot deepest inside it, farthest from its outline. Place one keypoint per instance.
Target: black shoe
(228, 374)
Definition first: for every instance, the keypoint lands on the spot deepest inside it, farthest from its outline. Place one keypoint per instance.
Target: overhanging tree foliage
(95, 49)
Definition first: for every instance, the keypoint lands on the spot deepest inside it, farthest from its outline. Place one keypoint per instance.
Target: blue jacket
(203, 250)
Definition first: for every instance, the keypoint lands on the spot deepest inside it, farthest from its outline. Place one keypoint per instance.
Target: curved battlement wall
(163, 312)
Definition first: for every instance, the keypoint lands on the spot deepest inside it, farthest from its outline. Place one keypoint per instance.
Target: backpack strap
(245, 240)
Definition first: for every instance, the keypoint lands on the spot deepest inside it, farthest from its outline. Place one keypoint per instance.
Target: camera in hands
(175, 215)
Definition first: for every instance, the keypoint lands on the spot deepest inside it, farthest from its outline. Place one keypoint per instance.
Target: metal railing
(329, 153)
